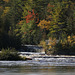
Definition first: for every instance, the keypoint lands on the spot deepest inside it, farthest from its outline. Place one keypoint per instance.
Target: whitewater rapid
(41, 59)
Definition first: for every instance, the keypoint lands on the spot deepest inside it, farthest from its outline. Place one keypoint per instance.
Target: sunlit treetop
(44, 24)
(6, 0)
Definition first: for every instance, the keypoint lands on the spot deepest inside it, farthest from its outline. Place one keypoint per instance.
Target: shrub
(65, 46)
(9, 54)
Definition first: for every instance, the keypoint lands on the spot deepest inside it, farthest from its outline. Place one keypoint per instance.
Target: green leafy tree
(62, 19)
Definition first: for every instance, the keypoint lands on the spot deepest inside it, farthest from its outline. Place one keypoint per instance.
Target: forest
(24, 22)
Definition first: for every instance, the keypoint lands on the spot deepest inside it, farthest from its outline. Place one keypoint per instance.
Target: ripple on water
(41, 62)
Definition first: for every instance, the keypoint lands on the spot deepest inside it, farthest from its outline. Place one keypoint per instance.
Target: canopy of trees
(30, 21)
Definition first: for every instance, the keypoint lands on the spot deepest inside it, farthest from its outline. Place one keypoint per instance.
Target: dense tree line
(30, 21)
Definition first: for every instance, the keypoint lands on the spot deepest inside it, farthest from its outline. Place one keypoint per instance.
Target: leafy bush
(9, 54)
(65, 46)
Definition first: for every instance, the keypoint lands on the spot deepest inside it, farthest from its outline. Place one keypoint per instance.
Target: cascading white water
(40, 59)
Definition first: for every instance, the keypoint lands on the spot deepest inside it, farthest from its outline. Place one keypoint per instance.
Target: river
(37, 70)
(39, 66)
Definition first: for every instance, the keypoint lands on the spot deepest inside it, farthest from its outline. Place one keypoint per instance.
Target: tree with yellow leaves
(44, 24)
(6, 0)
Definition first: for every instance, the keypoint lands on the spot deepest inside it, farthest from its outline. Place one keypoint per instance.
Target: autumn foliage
(0, 6)
(64, 46)
(31, 16)
(6, 0)
(44, 24)
(31, 21)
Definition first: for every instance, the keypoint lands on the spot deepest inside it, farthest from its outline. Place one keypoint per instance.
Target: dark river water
(33, 67)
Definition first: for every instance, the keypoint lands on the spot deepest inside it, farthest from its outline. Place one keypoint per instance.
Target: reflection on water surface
(37, 70)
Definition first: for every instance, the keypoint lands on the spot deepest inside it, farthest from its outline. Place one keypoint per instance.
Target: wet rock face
(31, 48)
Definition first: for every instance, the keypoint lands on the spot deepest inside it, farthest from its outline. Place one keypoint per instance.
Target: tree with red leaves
(31, 16)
